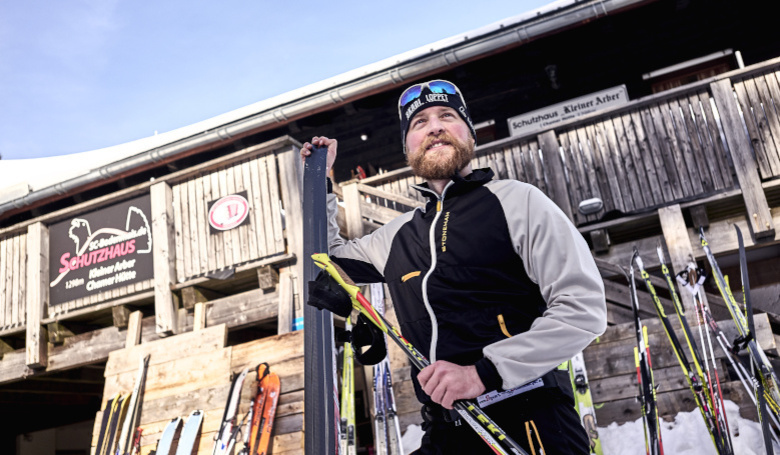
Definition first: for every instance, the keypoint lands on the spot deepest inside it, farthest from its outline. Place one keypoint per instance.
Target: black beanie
(427, 94)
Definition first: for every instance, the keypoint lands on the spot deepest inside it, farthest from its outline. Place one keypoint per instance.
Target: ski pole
(491, 433)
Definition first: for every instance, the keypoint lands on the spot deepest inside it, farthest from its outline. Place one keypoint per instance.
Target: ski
(170, 433)
(468, 410)
(693, 375)
(395, 446)
(109, 413)
(583, 400)
(264, 410)
(647, 396)
(763, 417)
(321, 398)
(124, 444)
(225, 433)
(381, 443)
(347, 436)
(189, 433)
(112, 437)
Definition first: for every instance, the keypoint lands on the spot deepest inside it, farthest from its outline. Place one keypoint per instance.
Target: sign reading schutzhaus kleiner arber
(100, 250)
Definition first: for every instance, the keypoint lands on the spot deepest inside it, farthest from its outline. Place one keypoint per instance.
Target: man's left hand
(446, 382)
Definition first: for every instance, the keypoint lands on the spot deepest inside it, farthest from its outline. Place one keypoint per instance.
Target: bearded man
(490, 280)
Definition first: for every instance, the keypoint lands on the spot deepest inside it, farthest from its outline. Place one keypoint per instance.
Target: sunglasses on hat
(437, 86)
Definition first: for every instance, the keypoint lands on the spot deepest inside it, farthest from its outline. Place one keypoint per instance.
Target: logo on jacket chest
(444, 225)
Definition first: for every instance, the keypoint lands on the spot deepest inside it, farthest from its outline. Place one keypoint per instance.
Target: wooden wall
(193, 371)
(199, 252)
(13, 275)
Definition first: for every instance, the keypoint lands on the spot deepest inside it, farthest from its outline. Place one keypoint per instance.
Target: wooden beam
(192, 295)
(5, 348)
(164, 252)
(699, 216)
(37, 293)
(267, 277)
(760, 219)
(121, 316)
(552, 159)
(57, 333)
(600, 240)
(678, 244)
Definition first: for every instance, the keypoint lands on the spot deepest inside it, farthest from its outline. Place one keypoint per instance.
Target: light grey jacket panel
(373, 248)
(557, 258)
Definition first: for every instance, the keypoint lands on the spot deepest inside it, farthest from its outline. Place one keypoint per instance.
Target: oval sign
(228, 212)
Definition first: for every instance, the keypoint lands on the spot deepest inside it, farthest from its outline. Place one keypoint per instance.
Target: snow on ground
(686, 435)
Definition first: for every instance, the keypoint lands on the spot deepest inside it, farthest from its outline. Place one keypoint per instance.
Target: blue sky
(80, 75)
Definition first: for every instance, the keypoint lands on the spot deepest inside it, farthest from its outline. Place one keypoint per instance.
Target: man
(490, 280)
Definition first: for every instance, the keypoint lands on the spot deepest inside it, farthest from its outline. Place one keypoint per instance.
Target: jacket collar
(459, 185)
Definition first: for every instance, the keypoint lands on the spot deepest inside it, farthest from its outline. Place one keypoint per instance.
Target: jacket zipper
(432, 242)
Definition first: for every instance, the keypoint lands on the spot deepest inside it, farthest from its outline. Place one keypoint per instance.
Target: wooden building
(103, 266)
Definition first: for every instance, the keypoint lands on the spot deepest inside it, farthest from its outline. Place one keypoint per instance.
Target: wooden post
(134, 329)
(37, 294)
(290, 177)
(759, 216)
(164, 253)
(352, 210)
(199, 319)
(555, 175)
(678, 242)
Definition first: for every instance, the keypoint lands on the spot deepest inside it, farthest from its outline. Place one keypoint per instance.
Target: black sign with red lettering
(100, 250)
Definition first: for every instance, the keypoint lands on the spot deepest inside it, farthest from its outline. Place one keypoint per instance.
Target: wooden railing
(13, 276)
(676, 146)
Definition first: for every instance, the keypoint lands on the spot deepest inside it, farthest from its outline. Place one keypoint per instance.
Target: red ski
(264, 410)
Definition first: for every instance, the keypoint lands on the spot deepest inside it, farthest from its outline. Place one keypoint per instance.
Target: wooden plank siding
(202, 252)
(757, 97)
(13, 273)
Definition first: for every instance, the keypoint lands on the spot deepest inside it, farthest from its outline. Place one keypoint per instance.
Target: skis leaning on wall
(321, 398)
(189, 433)
(387, 430)
(125, 442)
(263, 411)
(644, 372)
(584, 401)
(225, 435)
(169, 434)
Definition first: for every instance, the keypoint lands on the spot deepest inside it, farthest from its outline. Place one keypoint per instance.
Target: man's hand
(322, 141)
(446, 382)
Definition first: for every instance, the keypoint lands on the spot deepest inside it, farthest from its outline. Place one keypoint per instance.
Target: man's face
(439, 143)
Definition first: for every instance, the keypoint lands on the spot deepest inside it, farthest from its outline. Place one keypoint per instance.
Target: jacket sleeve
(364, 258)
(558, 260)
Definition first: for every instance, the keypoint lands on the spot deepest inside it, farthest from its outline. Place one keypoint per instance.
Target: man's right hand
(321, 141)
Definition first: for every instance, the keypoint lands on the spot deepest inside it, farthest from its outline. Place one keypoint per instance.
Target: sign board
(100, 250)
(228, 212)
(546, 118)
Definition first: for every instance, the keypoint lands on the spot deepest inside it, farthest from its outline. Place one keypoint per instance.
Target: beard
(432, 167)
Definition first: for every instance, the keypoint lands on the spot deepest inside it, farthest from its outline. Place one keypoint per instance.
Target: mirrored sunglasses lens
(411, 94)
(442, 87)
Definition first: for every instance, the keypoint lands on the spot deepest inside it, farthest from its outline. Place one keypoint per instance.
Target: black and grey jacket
(491, 273)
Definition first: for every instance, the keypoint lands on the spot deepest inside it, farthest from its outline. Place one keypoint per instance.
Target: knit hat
(432, 93)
